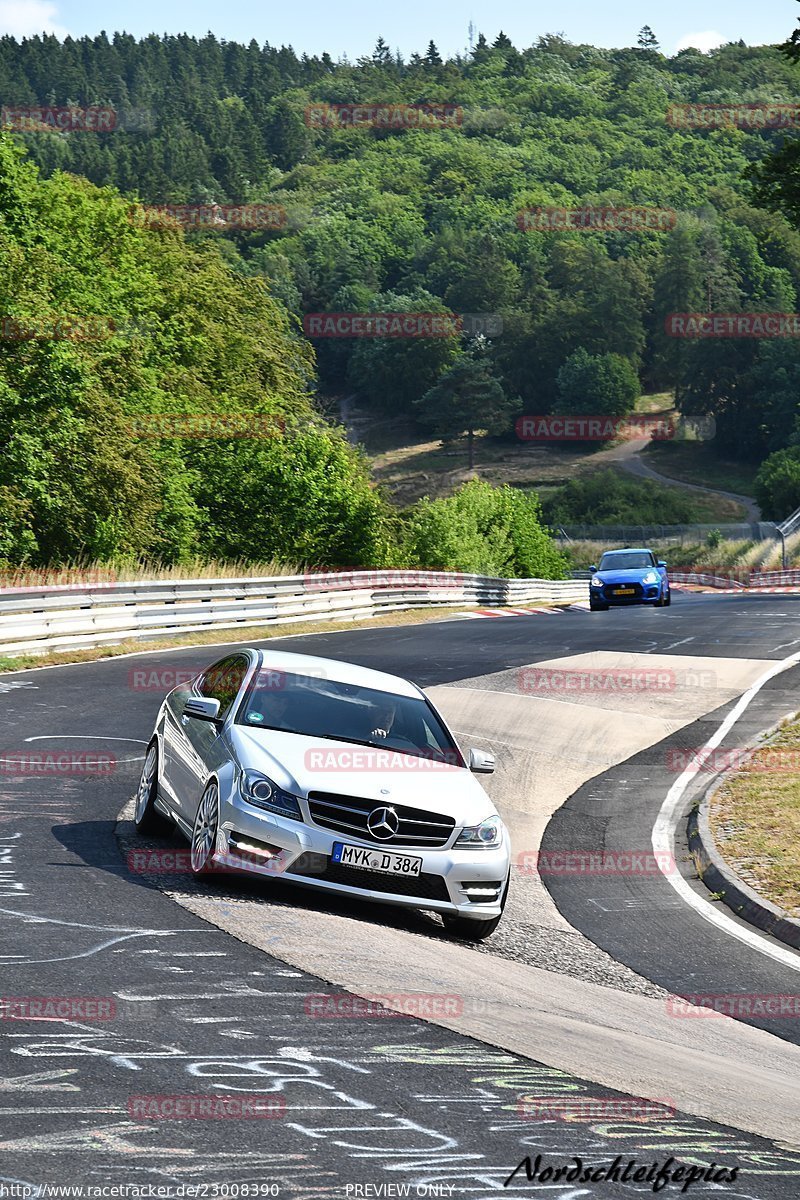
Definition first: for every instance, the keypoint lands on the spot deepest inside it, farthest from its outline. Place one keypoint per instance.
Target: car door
(172, 740)
(198, 749)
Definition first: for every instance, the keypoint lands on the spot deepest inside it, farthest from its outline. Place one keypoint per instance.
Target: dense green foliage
(606, 498)
(385, 219)
(485, 531)
(378, 220)
(597, 383)
(159, 330)
(778, 484)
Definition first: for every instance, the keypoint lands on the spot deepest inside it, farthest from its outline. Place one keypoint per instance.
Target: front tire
(597, 607)
(668, 598)
(147, 818)
(204, 834)
(476, 931)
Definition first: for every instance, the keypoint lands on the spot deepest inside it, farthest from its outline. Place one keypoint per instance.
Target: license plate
(382, 861)
(624, 591)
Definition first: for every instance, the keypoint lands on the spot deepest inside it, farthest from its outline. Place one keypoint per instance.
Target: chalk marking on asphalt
(664, 828)
(783, 645)
(682, 642)
(34, 918)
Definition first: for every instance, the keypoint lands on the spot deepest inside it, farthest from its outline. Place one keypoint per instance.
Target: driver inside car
(383, 717)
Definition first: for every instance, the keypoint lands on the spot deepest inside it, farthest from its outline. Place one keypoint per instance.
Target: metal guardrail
(76, 617)
(705, 579)
(791, 524)
(738, 578)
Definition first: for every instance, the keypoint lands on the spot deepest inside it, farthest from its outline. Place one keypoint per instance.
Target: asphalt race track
(208, 989)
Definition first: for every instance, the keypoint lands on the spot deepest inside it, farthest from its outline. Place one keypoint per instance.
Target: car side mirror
(201, 708)
(480, 762)
(662, 564)
(593, 567)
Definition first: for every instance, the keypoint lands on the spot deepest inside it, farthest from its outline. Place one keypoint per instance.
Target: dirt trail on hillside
(628, 456)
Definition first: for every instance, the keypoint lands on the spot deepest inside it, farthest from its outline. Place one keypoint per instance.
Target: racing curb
(719, 878)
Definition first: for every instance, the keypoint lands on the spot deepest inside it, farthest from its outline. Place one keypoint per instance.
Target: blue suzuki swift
(628, 577)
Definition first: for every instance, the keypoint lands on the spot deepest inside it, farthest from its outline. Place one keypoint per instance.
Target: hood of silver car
(303, 764)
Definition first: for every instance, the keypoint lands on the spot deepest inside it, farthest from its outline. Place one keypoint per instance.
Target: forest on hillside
(384, 219)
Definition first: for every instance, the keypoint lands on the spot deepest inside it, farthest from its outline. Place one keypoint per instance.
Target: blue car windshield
(626, 560)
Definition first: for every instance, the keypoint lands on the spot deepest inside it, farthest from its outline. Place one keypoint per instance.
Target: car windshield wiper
(338, 737)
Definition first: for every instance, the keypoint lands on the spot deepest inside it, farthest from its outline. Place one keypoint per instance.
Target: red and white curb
(528, 612)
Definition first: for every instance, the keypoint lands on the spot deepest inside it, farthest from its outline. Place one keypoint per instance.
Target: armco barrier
(35, 620)
(705, 579)
(739, 579)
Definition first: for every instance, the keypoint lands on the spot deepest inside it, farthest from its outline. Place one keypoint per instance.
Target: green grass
(755, 819)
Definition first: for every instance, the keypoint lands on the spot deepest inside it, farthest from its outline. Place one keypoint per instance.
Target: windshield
(346, 712)
(626, 560)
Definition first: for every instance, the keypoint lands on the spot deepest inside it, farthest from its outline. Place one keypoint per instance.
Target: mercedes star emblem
(383, 823)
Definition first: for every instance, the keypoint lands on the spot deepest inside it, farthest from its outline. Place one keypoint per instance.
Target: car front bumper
(301, 853)
(648, 593)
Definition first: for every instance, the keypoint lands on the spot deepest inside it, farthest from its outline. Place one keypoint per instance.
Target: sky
(351, 27)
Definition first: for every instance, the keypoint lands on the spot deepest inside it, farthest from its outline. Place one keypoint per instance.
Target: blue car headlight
(487, 835)
(650, 577)
(596, 581)
(259, 790)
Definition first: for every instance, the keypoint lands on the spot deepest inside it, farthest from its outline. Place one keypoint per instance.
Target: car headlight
(650, 577)
(259, 790)
(597, 581)
(488, 834)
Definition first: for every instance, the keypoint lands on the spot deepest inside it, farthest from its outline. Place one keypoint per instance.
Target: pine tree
(381, 55)
(467, 398)
(647, 40)
(432, 56)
